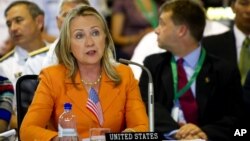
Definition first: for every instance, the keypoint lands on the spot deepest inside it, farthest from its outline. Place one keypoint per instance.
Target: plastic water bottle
(67, 125)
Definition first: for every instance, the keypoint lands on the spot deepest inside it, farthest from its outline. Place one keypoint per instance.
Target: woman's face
(87, 40)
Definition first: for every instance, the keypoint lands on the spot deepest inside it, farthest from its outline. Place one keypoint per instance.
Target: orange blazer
(122, 105)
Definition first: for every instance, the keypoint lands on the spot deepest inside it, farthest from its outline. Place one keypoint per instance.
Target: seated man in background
(25, 21)
(148, 44)
(6, 97)
(197, 95)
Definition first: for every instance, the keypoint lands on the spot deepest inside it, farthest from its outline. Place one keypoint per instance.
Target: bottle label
(66, 132)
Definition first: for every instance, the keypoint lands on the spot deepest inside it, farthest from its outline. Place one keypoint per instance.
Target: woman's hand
(55, 138)
(129, 130)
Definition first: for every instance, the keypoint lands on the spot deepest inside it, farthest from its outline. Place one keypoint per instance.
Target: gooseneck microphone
(150, 93)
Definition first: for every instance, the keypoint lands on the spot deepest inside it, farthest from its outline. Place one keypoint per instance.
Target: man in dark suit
(213, 89)
(229, 45)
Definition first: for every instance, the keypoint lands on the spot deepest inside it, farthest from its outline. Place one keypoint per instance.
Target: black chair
(25, 88)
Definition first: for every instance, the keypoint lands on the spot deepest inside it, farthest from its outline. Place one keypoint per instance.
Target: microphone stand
(150, 93)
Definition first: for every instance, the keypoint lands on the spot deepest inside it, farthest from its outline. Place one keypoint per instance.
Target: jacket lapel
(204, 86)
(108, 92)
(167, 80)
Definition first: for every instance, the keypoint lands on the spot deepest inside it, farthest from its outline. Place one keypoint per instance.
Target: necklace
(92, 83)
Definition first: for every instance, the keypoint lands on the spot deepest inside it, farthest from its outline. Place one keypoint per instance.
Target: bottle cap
(67, 106)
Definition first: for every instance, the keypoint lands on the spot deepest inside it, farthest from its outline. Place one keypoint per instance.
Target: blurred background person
(47, 35)
(6, 99)
(36, 58)
(130, 21)
(229, 45)
(87, 68)
(25, 21)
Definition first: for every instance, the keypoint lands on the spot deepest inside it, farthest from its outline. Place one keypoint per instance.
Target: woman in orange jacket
(86, 62)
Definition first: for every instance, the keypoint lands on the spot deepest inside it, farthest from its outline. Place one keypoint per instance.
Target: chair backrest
(25, 88)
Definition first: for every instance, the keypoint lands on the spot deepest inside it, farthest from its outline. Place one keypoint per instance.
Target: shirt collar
(21, 54)
(192, 58)
(239, 36)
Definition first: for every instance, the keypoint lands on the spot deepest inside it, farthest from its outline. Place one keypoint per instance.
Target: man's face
(167, 32)
(241, 9)
(23, 29)
(66, 7)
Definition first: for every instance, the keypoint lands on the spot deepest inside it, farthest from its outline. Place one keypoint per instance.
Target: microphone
(150, 92)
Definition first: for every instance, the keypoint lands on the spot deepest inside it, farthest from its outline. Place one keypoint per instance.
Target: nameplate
(135, 136)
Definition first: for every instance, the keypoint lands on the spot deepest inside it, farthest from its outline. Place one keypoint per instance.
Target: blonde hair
(63, 50)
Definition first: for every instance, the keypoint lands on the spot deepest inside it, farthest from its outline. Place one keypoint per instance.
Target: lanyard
(179, 93)
(152, 18)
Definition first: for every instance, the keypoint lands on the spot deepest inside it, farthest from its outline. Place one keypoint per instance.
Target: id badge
(175, 113)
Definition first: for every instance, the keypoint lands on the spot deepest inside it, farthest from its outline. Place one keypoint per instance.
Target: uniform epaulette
(39, 51)
(7, 55)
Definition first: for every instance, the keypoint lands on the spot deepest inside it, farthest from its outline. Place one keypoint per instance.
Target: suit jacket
(218, 95)
(121, 104)
(223, 46)
(246, 89)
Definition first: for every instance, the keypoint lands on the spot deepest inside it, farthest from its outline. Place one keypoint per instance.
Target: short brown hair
(187, 12)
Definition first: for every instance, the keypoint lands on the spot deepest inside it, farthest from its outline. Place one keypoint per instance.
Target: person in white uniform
(25, 21)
